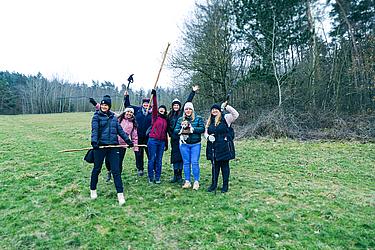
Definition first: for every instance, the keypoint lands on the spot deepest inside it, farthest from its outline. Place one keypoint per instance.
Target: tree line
(274, 54)
(35, 94)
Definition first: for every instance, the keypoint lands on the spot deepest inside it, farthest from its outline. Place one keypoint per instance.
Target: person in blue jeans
(158, 140)
(190, 128)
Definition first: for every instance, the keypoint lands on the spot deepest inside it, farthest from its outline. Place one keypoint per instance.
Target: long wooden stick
(157, 78)
(109, 146)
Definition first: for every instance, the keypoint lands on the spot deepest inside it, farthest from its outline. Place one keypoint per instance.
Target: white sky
(85, 40)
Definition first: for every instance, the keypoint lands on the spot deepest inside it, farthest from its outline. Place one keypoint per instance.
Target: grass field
(283, 194)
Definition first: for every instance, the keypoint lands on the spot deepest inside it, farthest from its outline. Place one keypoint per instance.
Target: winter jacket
(197, 125)
(223, 147)
(175, 139)
(159, 123)
(131, 130)
(143, 121)
(105, 128)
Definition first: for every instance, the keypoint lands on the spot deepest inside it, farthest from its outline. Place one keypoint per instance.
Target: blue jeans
(155, 154)
(190, 155)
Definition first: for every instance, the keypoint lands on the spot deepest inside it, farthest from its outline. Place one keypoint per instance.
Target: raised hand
(195, 88)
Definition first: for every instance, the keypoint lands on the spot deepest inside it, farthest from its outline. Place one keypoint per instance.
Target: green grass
(283, 194)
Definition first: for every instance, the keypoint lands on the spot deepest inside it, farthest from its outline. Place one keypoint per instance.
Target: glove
(223, 105)
(93, 102)
(153, 92)
(191, 130)
(130, 143)
(94, 145)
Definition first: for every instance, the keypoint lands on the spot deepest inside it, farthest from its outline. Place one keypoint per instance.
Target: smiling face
(104, 107)
(129, 114)
(176, 107)
(188, 111)
(215, 112)
(161, 111)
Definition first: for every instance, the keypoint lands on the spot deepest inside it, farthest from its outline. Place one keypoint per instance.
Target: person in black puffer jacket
(104, 131)
(176, 158)
(220, 147)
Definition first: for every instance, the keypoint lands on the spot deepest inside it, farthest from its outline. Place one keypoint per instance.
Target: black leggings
(121, 159)
(224, 166)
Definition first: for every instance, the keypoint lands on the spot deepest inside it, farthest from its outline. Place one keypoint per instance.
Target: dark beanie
(216, 106)
(163, 106)
(145, 100)
(107, 100)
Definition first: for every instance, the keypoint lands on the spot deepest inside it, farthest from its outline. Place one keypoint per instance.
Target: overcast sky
(85, 40)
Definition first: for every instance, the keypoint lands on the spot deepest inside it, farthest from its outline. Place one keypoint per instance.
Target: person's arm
(95, 131)
(123, 135)
(134, 136)
(232, 116)
(199, 128)
(126, 99)
(192, 93)
(94, 103)
(154, 105)
(177, 128)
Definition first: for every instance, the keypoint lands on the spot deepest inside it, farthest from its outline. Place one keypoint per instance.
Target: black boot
(175, 174)
(108, 176)
(225, 170)
(215, 176)
(179, 176)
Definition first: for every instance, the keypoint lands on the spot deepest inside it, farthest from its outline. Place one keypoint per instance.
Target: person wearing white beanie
(190, 128)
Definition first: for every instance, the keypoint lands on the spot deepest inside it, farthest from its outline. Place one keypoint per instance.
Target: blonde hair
(217, 120)
(192, 116)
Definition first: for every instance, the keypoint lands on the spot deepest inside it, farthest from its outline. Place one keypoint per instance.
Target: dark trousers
(121, 159)
(224, 166)
(139, 162)
(112, 154)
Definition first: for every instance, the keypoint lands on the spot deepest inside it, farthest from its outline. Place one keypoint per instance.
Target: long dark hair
(122, 117)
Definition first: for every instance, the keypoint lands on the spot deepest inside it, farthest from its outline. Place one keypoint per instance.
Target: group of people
(143, 125)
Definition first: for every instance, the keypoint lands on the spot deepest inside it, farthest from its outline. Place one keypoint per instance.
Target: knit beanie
(163, 106)
(129, 109)
(145, 100)
(107, 100)
(216, 106)
(189, 105)
(176, 101)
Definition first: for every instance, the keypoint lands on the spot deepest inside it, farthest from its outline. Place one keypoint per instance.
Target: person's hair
(192, 115)
(122, 116)
(217, 120)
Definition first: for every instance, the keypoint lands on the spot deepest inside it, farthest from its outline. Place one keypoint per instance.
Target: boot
(121, 198)
(108, 177)
(186, 185)
(174, 178)
(179, 176)
(215, 177)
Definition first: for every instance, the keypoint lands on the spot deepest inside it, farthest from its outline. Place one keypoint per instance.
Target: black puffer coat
(223, 147)
(105, 128)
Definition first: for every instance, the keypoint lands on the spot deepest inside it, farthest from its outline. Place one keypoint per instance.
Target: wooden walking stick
(109, 146)
(157, 78)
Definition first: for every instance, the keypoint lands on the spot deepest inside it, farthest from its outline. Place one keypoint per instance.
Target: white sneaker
(93, 194)
(121, 198)
(196, 185)
(187, 184)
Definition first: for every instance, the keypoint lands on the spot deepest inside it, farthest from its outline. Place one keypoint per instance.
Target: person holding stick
(190, 127)
(220, 146)
(129, 125)
(173, 116)
(104, 131)
(158, 140)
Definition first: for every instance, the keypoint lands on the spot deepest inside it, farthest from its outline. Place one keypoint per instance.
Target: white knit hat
(129, 109)
(189, 105)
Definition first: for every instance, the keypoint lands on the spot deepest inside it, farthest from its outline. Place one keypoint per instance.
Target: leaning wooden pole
(157, 78)
(108, 146)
